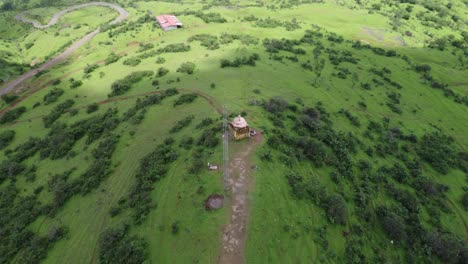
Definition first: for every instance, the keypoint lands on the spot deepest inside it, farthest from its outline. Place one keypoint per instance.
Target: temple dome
(239, 122)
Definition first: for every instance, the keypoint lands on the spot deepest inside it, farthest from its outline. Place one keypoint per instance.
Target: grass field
(282, 228)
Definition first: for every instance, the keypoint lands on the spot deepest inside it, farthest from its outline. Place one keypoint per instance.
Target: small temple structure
(239, 128)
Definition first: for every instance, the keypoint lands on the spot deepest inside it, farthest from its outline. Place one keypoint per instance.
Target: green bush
(92, 108)
(185, 99)
(53, 95)
(240, 61)
(111, 58)
(90, 68)
(56, 112)
(162, 71)
(160, 60)
(206, 40)
(12, 115)
(121, 86)
(8, 98)
(336, 209)
(187, 67)
(6, 137)
(134, 61)
(117, 246)
(182, 124)
(75, 83)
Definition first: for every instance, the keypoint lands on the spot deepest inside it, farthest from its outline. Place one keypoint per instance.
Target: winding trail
(9, 87)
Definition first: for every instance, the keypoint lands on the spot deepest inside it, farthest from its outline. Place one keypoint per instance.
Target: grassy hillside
(363, 109)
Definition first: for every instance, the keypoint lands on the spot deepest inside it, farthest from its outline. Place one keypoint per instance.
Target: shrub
(206, 40)
(185, 99)
(182, 124)
(152, 168)
(56, 112)
(175, 227)
(134, 61)
(121, 86)
(209, 138)
(162, 71)
(160, 60)
(177, 47)
(437, 150)
(446, 246)
(393, 225)
(275, 45)
(187, 67)
(75, 83)
(111, 58)
(207, 17)
(117, 246)
(464, 201)
(6, 137)
(90, 68)
(92, 108)
(239, 61)
(12, 115)
(336, 209)
(8, 98)
(276, 105)
(53, 95)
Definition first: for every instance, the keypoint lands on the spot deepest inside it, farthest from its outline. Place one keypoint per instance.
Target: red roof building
(168, 22)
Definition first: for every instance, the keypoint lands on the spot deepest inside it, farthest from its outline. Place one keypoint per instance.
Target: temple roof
(239, 122)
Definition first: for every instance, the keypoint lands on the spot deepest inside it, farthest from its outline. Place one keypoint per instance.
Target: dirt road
(238, 185)
(9, 87)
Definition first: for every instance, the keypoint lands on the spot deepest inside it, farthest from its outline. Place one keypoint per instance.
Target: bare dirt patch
(238, 185)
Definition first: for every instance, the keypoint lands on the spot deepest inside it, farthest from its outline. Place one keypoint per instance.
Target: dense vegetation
(360, 108)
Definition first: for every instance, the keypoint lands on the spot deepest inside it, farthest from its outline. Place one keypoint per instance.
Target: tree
(465, 201)
(393, 225)
(336, 209)
(446, 246)
(276, 105)
(187, 67)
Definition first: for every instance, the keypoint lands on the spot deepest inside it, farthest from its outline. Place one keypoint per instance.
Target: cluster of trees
(311, 189)
(56, 112)
(276, 45)
(121, 86)
(53, 95)
(176, 47)
(134, 61)
(310, 137)
(206, 40)
(273, 23)
(75, 83)
(184, 122)
(240, 61)
(136, 114)
(12, 115)
(186, 67)
(245, 39)
(185, 99)
(17, 242)
(111, 58)
(116, 245)
(152, 168)
(206, 17)
(6, 137)
(9, 98)
(90, 68)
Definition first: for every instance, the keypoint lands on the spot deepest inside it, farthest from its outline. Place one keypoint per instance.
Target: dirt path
(123, 14)
(238, 184)
(9, 87)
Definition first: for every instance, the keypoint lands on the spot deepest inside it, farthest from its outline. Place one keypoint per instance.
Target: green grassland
(282, 227)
